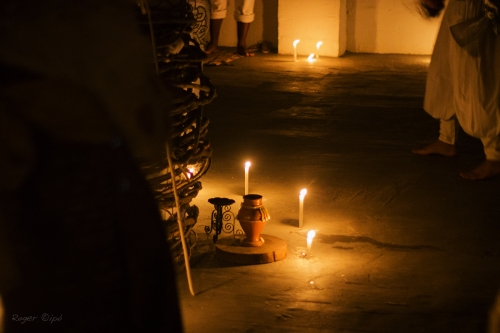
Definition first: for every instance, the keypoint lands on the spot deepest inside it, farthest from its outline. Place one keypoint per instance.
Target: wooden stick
(179, 221)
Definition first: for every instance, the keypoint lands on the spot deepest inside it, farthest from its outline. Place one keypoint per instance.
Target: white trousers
(465, 87)
(243, 10)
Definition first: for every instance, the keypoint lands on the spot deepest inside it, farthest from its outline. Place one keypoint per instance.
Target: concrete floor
(403, 244)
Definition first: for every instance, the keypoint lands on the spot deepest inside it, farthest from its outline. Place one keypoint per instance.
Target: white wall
(312, 21)
(389, 26)
(358, 26)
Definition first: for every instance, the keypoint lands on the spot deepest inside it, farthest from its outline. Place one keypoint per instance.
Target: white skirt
(465, 84)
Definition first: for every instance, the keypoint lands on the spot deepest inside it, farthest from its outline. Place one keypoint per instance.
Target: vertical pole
(179, 221)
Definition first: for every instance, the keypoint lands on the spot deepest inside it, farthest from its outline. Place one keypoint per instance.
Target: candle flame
(303, 192)
(318, 45)
(247, 165)
(311, 234)
(190, 172)
(311, 58)
(295, 43)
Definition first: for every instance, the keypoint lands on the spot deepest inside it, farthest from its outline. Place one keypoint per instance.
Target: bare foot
(439, 148)
(485, 170)
(211, 48)
(242, 50)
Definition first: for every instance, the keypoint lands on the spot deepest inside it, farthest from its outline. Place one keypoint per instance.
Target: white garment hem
(448, 131)
(492, 154)
(244, 18)
(218, 14)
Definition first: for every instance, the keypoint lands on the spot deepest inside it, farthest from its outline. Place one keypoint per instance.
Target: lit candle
(311, 58)
(295, 49)
(190, 172)
(247, 166)
(317, 46)
(303, 193)
(310, 236)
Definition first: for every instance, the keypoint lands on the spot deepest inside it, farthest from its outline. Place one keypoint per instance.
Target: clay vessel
(252, 217)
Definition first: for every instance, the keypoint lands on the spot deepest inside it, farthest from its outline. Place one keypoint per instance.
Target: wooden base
(231, 249)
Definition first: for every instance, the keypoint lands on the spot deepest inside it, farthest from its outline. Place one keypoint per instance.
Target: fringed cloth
(263, 211)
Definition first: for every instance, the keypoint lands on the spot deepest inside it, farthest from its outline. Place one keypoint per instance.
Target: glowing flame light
(247, 165)
(303, 192)
(295, 49)
(311, 58)
(190, 172)
(311, 234)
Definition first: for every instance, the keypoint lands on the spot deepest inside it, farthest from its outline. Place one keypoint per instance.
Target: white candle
(247, 167)
(303, 193)
(317, 46)
(295, 49)
(310, 236)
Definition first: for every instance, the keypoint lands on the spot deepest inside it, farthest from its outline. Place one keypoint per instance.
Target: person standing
(243, 15)
(463, 83)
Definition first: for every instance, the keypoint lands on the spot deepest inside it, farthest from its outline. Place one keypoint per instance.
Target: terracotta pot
(252, 217)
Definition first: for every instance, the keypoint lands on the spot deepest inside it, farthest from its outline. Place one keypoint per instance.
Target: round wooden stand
(230, 249)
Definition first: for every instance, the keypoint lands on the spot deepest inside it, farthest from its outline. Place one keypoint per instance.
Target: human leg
(491, 165)
(242, 37)
(218, 13)
(244, 15)
(483, 120)
(215, 25)
(445, 145)
(439, 99)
